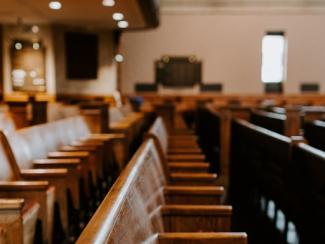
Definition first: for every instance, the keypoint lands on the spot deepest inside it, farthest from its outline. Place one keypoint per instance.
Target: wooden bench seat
(159, 133)
(186, 158)
(33, 186)
(189, 167)
(191, 238)
(137, 208)
(195, 150)
(18, 221)
(37, 148)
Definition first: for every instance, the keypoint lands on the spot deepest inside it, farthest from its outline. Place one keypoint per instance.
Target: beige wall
(230, 47)
(106, 82)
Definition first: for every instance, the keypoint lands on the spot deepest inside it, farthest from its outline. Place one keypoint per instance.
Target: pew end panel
(73, 165)
(37, 191)
(18, 221)
(57, 178)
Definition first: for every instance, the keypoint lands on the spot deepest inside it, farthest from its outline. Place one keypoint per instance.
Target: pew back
(129, 212)
(309, 178)
(45, 138)
(272, 121)
(314, 133)
(159, 130)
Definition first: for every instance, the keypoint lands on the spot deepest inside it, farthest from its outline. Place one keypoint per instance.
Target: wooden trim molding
(150, 11)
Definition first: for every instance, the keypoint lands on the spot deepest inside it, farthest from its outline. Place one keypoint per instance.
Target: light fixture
(18, 45)
(55, 5)
(35, 29)
(108, 3)
(123, 24)
(36, 45)
(119, 58)
(118, 16)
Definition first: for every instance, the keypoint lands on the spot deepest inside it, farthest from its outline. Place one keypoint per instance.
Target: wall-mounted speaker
(215, 87)
(145, 87)
(309, 87)
(275, 87)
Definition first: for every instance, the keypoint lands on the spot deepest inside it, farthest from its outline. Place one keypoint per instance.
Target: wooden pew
(122, 120)
(57, 111)
(191, 162)
(87, 156)
(14, 185)
(272, 121)
(18, 221)
(214, 131)
(270, 166)
(308, 113)
(136, 209)
(288, 124)
(208, 129)
(181, 146)
(308, 192)
(314, 133)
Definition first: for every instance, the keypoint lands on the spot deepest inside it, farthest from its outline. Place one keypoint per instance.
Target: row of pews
(281, 176)
(276, 166)
(93, 177)
(166, 194)
(54, 175)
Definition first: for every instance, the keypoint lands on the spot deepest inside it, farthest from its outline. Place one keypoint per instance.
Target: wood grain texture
(135, 208)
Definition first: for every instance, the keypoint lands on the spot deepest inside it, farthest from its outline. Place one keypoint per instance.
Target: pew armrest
(106, 136)
(11, 204)
(196, 210)
(39, 174)
(73, 148)
(23, 185)
(94, 143)
(185, 157)
(212, 237)
(205, 195)
(75, 154)
(194, 218)
(71, 163)
(192, 190)
(193, 178)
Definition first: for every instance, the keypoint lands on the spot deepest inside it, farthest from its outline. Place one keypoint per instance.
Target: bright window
(273, 57)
